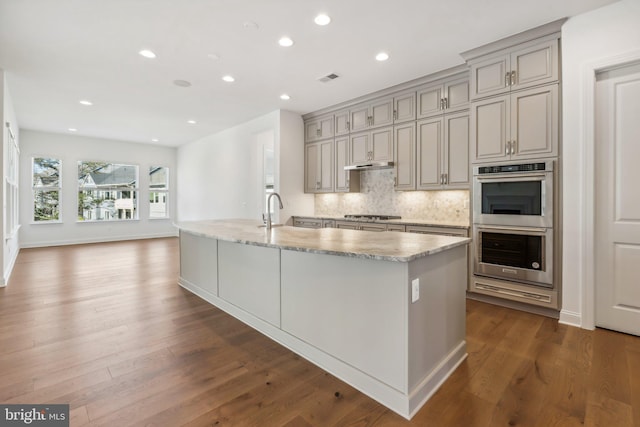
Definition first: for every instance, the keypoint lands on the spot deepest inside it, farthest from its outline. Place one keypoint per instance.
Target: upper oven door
(516, 199)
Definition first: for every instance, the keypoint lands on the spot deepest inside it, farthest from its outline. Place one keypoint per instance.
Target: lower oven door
(513, 253)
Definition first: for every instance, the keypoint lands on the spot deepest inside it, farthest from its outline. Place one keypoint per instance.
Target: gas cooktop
(373, 217)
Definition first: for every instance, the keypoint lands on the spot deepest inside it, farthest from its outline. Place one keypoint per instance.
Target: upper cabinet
(345, 181)
(318, 162)
(522, 125)
(530, 64)
(342, 123)
(319, 128)
(372, 114)
(404, 149)
(443, 97)
(374, 145)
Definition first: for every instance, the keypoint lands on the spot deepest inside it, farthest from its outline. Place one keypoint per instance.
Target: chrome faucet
(268, 223)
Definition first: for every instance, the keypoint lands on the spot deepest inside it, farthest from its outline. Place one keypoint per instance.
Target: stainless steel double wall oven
(513, 223)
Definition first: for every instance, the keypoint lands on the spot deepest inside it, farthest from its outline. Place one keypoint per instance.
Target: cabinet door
(456, 150)
(535, 65)
(325, 166)
(311, 183)
(404, 143)
(359, 117)
(325, 124)
(381, 145)
(404, 107)
(367, 226)
(342, 123)
(347, 225)
(534, 123)
(359, 148)
(311, 130)
(490, 76)
(456, 94)
(382, 112)
(491, 129)
(342, 160)
(429, 153)
(429, 101)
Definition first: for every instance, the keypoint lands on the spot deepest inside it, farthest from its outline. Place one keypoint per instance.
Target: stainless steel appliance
(514, 253)
(514, 195)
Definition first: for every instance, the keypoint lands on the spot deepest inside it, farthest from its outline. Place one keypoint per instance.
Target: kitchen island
(383, 311)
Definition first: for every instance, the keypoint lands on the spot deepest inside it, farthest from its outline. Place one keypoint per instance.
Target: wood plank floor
(106, 329)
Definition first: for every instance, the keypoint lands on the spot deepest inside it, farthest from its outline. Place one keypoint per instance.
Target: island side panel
(354, 309)
(199, 261)
(436, 321)
(249, 278)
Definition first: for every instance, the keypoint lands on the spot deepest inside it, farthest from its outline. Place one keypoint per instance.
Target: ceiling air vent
(328, 78)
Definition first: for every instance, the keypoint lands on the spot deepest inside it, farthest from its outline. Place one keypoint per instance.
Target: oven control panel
(525, 167)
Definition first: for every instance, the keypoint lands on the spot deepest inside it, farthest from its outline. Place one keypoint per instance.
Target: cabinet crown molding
(550, 29)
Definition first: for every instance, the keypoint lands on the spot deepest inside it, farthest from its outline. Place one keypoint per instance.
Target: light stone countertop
(403, 221)
(378, 245)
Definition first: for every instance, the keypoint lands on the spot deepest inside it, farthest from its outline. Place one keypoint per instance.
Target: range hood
(369, 166)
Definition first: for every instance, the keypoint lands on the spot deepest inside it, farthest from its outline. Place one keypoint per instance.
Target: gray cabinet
(443, 152)
(441, 97)
(319, 128)
(363, 226)
(404, 107)
(319, 169)
(342, 125)
(404, 153)
(372, 114)
(345, 181)
(307, 222)
(445, 231)
(521, 125)
(530, 64)
(374, 145)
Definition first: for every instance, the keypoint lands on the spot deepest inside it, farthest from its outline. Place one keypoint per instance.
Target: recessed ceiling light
(285, 97)
(85, 102)
(73, 130)
(228, 79)
(285, 42)
(382, 56)
(182, 83)
(147, 53)
(213, 56)
(322, 19)
(191, 122)
(154, 140)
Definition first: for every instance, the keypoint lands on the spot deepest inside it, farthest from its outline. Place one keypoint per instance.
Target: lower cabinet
(363, 226)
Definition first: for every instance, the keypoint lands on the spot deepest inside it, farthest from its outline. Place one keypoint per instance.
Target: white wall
(70, 149)
(589, 39)
(11, 243)
(219, 175)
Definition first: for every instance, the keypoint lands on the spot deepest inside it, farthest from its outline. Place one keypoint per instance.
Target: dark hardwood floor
(106, 329)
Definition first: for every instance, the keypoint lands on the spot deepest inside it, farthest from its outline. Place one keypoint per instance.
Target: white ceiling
(59, 52)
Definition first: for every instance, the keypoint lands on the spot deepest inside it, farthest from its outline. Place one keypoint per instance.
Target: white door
(617, 211)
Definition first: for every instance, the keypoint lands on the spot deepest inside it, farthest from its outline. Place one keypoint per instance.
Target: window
(107, 191)
(158, 192)
(46, 189)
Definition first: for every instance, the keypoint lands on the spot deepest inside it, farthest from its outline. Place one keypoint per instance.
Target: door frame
(586, 319)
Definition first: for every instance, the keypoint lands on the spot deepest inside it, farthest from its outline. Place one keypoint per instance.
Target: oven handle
(532, 231)
(511, 178)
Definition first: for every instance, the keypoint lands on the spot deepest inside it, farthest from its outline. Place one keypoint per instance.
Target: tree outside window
(46, 189)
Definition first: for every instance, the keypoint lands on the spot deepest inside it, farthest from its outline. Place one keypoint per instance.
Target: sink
(272, 225)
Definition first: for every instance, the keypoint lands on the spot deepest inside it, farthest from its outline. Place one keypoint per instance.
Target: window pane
(107, 205)
(158, 178)
(158, 204)
(103, 175)
(46, 205)
(46, 172)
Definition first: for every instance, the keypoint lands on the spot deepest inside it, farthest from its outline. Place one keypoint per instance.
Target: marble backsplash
(377, 196)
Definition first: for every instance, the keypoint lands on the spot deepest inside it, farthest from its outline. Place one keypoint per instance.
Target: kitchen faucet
(268, 223)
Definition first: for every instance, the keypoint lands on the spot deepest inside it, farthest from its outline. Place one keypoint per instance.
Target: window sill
(109, 221)
(57, 221)
(164, 218)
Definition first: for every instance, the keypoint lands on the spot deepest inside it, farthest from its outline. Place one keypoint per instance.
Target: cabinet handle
(441, 103)
(395, 115)
(348, 125)
(317, 132)
(507, 79)
(446, 178)
(507, 148)
(446, 102)
(513, 147)
(513, 78)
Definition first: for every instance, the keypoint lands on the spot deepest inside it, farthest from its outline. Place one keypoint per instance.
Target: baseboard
(516, 305)
(9, 270)
(97, 240)
(570, 318)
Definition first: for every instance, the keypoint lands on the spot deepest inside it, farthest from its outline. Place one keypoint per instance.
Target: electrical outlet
(415, 290)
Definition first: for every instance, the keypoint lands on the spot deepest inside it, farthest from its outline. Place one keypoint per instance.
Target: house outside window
(158, 192)
(107, 191)
(47, 186)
